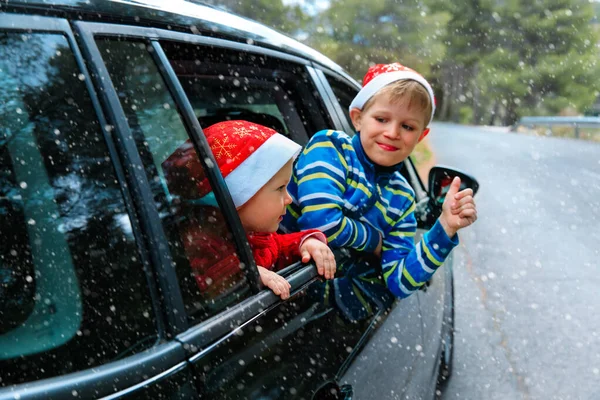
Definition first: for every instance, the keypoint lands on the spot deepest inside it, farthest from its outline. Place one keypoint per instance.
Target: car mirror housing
(440, 178)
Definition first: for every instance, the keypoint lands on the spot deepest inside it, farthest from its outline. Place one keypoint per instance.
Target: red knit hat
(381, 75)
(247, 154)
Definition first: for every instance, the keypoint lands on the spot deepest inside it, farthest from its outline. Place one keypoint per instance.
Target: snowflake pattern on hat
(247, 154)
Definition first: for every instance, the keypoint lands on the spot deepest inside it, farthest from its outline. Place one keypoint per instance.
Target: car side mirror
(440, 179)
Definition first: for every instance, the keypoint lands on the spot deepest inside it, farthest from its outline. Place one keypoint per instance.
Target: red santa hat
(381, 75)
(247, 154)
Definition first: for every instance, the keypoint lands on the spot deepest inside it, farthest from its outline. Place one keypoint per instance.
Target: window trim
(142, 33)
(155, 240)
(200, 338)
(127, 375)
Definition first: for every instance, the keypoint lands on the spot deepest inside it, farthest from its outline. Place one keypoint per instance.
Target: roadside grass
(424, 158)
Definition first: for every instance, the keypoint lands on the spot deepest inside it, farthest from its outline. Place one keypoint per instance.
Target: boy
(256, 163)
(353, 191)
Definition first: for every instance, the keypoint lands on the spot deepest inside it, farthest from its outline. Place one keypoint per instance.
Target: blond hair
(405, 90)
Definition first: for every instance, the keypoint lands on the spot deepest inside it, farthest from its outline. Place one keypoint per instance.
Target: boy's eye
(379, 119)
(282, 187)
(408, 127)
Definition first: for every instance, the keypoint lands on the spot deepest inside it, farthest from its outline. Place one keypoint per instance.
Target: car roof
(188, 16)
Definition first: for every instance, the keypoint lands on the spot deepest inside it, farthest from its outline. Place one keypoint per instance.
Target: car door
(80, 316)
(243, 341)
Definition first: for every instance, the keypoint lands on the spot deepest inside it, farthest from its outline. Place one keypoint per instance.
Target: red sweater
(279, 250)
(213, 258)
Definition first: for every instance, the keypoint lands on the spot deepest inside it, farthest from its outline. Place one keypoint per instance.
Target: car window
(224, 84)
(344, 94)
(73, 292)
(201, 244)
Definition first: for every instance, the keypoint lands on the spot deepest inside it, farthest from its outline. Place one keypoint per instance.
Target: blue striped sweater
(335, 188)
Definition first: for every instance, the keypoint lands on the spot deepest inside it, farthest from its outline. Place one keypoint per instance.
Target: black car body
(96, 295)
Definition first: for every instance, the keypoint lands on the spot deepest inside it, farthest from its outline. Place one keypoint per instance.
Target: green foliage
(273, 13)
(498, 59)
(530, 57)
(357, 34)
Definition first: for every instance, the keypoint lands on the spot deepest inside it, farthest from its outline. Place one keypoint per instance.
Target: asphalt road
(527, 276)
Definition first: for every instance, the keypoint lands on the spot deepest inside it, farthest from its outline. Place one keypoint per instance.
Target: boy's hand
(275, 282)
(458, 210)
(313, 248)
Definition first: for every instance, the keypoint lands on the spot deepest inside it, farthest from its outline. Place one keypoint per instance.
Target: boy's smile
(387, 147)
(389, 132)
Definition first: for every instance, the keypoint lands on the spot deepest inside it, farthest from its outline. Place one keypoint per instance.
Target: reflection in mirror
(440, 179)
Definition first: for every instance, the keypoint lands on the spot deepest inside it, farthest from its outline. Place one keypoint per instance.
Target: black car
(97, 297)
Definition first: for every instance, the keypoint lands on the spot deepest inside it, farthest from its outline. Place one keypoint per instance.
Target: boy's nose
(287, 199)
(393, 132)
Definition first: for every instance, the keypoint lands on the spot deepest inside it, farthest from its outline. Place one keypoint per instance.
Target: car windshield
(517, 95)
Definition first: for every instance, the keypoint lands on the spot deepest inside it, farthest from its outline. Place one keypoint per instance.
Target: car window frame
(142, 369)
(262, 298)
(173, 306)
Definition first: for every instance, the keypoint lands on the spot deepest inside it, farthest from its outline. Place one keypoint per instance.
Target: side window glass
(224, 84)
(73, 292)
(344, 94)
(201, 244)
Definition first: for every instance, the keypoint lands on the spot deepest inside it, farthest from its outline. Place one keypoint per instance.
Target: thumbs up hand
(458, 210)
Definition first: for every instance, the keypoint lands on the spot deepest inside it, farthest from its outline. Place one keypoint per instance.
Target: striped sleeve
(406, 266)
(320, 176)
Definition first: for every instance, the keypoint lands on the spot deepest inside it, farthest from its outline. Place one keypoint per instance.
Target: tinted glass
(201, 244)
(344, 94)
(73, 293)
(224, 84)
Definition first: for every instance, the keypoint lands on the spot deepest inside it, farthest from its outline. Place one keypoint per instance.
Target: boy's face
(265, 210)
(389, 132)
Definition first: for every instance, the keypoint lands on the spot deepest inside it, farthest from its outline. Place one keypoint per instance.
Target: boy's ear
(425, 132)
(355, 115)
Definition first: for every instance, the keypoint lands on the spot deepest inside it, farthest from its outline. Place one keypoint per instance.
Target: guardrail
(576, 122)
